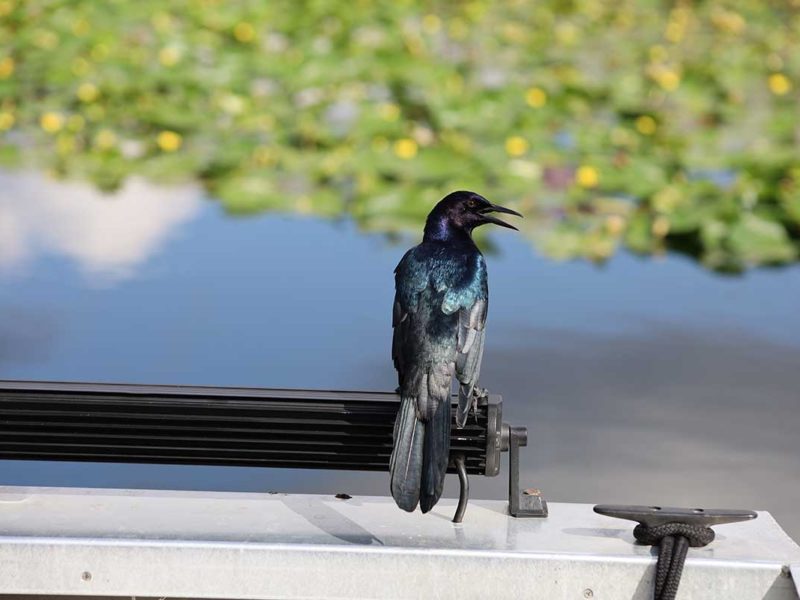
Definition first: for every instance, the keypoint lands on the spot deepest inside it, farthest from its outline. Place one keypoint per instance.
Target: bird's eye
(472, 203)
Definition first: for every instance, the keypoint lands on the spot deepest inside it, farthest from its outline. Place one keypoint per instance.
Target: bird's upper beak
(501, 209)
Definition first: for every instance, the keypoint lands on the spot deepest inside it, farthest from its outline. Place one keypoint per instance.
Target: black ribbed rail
(220, 426)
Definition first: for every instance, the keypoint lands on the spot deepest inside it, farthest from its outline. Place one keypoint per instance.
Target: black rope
(674, 540)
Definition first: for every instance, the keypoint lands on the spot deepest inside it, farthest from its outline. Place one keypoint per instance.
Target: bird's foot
(477, 394)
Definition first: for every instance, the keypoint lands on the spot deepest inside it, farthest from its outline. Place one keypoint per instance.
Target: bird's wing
(469, 345)
(470, 352)
(410, 280)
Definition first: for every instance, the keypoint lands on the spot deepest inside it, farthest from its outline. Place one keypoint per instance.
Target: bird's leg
(477, 394)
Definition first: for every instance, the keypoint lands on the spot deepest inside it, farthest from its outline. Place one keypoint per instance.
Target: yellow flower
(516, 146)
(6, 67)
(51, 122)
(646, 125)
(431, 23)
(669, 80)
(405, 148)
(105, 139)
(244, 32)
(389, 111)
(536, 97)
(779, 84)
(169, 141)
(87, 92)
(587, 176)
(169, 56)
(676, 26)
(6, 120)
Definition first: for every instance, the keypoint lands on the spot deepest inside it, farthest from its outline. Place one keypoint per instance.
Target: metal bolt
(86, 576)
(587, 593)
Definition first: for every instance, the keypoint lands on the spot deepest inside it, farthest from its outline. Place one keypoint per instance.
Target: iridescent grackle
(441, 298)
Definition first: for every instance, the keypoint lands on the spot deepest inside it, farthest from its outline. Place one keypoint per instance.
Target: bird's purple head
(463, 211)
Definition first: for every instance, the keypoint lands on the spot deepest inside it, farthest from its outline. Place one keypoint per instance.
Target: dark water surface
(645, 381)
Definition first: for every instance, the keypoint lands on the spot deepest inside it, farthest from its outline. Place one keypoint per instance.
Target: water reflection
(644, 381)
(671, 415)
(106, 235)
(26, 335)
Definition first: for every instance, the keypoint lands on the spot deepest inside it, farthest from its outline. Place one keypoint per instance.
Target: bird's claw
(477, 394)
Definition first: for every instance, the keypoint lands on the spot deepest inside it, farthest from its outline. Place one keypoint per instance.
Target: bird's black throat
(441, 228)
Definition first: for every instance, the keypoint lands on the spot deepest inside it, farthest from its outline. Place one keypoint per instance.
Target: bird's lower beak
(501, 209)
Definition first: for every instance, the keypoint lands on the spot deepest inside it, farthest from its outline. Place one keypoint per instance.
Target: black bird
(441, 298)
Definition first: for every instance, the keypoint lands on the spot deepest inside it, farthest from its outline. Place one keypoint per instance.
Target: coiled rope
(674, 540)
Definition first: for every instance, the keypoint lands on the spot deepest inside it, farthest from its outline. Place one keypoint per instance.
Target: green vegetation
(636, 123)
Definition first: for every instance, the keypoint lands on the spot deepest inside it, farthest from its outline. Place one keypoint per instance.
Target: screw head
(588, 593)
(86, 576)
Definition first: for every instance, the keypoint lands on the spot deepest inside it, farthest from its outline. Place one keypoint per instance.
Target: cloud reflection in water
(107, 235)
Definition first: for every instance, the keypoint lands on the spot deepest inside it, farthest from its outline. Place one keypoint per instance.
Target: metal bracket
(521, 503)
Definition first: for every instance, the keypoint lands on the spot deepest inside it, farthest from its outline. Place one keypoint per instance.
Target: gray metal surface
(233, 545)
(794, 572)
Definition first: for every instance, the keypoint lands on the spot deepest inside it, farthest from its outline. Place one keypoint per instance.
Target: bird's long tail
(419, 460)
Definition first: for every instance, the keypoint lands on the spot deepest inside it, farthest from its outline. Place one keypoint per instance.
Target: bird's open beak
(501, 209)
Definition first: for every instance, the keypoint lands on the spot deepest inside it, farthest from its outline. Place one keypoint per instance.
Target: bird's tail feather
(405, 466)
(420, 456)
(435, 457)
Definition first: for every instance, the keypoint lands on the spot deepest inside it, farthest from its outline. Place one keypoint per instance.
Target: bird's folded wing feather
(470, 342)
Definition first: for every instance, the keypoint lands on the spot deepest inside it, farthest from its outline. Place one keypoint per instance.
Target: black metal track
(217, 426)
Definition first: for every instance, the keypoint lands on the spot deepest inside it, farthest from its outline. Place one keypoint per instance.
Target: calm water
(646, 381)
